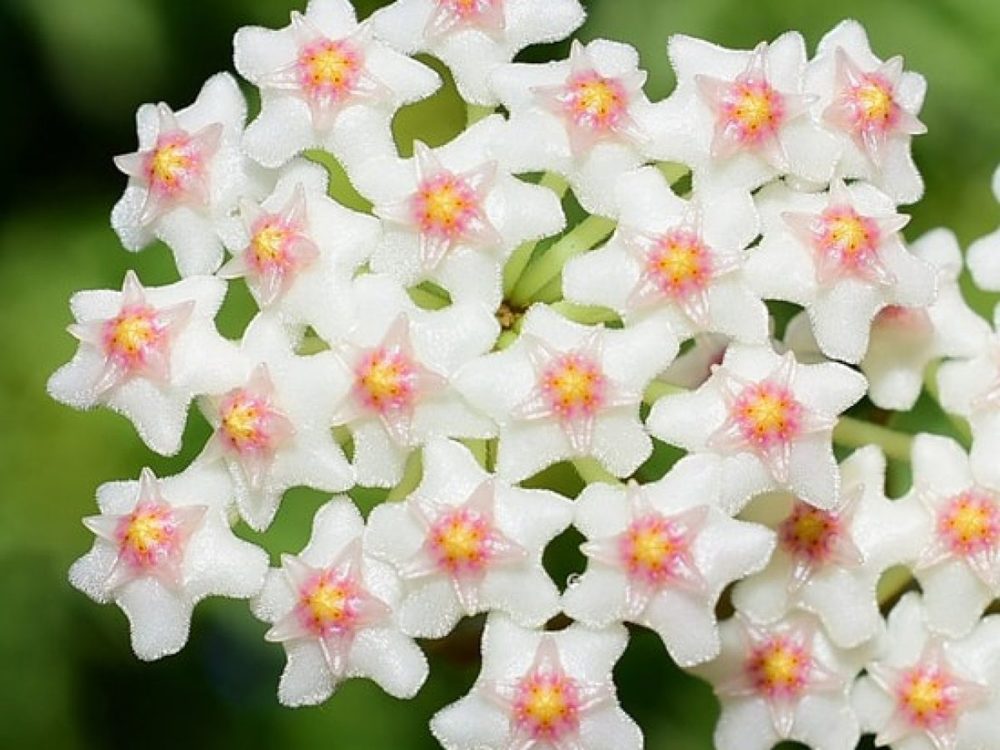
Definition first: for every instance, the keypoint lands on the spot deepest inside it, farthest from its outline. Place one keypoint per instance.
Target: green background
(72, 73)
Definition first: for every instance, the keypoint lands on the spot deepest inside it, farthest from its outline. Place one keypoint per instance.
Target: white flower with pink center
(740, 118)
(682, 256)
(466, 542)
(145, 353)
(297, 246)
(783, 681)
(325, 83)
(652, 558)
(841, 257)
(925, 693)
(273, 424)
(474, 37)
(398, 361)
(333, 609)
(768, 419)
(983, 255)
(871, 107)
(829, 562)
(186, 177)
(958, 566)
(454, 215)
(162, 546)
(564, 390)
(541, 691)
(586, 116)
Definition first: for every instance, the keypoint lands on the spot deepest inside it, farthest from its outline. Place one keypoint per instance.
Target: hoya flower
(924, 693)
(740, 118)
(565, 390)
(399, 361)
(841, 257)
(769, 421)
(984, 254)
(297, 245)
(958, 566)
(325, 83)
(162, 546)
(670, 254)
(474, 37)
(541, 690)
(905, 340)
(783, 681)
(186, 177)
(871, 107)
(273, 423)
(333, 609)
(453, 215)
(829, 562)
(145, 353)
(585, 117)
(466, 542)
(655, 557)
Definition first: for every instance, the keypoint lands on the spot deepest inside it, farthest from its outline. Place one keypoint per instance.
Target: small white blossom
(984, 254)
(333, 609)
(162, 546)
(466, 542)
(541, 691)
(325, 83)
(474, 37)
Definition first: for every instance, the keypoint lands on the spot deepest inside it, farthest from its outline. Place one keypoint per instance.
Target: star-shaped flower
(842, 258)
(186, 177)
(871, 107)
(768, 419)
(333, 609)
(653, 557)
(829, 562)
(325, 83)
(454, 215)
(740, 118)
(585, 115)
(670, 254)
(145, 353)
(983, 255)
(466, 542)
(565, 390)
(541, 691)
(162, 546)
(474, 37)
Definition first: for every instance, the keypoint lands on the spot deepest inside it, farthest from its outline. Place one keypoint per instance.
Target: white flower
(768, 419)
(162, 546)
(927, 694)
(454, 215)
(841, 257)
(146, 353)
(740, 118)
(984, 254)
(273, 423)
(465, 542)
(959, 564)
(474, 37)
(399, 361)
(325, 84)
(541, 691)
(782, 681)
(829, 562)
(581, 118)
(682, 256)
(186, 177)
(332, 608)
(297, 246)
(660, 555)
(565, 390)
(871, 106)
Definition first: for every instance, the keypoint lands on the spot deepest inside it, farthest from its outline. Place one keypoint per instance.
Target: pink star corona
(450, 16)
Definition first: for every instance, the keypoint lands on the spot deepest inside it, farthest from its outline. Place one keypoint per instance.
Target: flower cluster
(459, 338)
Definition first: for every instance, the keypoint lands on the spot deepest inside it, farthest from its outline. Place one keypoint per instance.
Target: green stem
(585, 314)
(854, 433)
(520, 258)
(591, 471)
(658, 389)
(505, 339)
(412, 474)
(476, 112)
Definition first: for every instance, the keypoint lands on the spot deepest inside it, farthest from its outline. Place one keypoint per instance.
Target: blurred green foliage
(72, 73)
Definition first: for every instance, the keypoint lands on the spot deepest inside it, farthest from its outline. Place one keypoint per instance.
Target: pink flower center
(386, 380)
(149, 536)
(767, 414)
(779, 668)
(872, 105)
(329, 70)
(461, 542)
(469, 11)
(574, 386)
(329, 603)
(969, 523)
(132, 336)
(904, 320)
(850, 240)
(751, 110)
(927, 696)
(651, 549)
(444, 206)
(245, 425)
(810, 534)
(547, 706)
(272, 246)
(175, 167)
(679, 264)
(595, 103)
